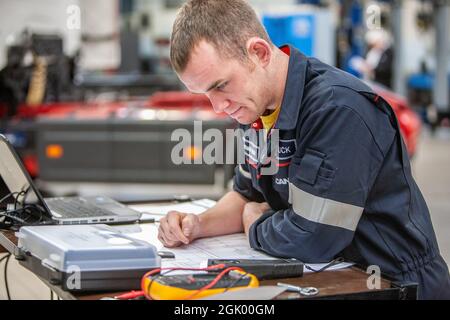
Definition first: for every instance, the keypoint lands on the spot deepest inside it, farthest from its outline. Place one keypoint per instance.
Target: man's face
(232, 86)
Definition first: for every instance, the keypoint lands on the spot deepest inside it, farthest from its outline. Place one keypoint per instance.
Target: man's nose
(219, 103)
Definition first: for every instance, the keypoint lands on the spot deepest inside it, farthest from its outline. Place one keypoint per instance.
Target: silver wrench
(304, 291)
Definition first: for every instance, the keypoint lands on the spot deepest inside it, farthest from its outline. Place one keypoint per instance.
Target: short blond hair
(226, 24)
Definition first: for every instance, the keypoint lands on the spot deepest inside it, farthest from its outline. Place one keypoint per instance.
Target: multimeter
(188, 286)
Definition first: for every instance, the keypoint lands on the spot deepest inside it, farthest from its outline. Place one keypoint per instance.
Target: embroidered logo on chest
(286, 149)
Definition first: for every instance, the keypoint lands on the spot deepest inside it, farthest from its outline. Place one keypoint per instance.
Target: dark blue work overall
(344, 186)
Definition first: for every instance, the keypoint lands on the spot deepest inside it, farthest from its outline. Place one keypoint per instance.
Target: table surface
(330, 283)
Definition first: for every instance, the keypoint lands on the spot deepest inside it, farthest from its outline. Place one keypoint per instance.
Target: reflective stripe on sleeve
(322, 210)
(244, 173)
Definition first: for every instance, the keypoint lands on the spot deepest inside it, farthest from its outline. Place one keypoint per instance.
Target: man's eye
(222, 86)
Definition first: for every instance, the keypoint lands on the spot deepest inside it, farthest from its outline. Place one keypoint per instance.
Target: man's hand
(178, 228)
(252, 211)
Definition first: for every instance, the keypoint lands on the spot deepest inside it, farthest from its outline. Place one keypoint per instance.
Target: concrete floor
(431, 169)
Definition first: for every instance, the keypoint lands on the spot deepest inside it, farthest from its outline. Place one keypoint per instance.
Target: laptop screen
(15, 185)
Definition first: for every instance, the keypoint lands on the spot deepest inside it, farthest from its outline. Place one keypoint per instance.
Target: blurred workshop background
(89, 100)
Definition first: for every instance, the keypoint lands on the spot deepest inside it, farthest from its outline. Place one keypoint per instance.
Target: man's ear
(259, 51)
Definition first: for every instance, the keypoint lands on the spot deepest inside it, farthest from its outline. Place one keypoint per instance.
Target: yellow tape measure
(195, 286)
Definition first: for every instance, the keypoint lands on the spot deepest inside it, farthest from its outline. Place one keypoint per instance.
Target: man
(343, 188)
(377, 65)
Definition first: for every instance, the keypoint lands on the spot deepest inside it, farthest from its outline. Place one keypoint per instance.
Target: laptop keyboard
(76, 208)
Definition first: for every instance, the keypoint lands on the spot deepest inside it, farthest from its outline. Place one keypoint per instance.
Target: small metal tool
(304, 291)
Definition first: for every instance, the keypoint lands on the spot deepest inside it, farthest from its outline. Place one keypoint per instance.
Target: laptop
(17, 189)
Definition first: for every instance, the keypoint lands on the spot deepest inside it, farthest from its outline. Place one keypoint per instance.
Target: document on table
(157, 212)
(196, 254)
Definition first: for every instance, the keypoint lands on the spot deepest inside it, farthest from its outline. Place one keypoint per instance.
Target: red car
(409, 121)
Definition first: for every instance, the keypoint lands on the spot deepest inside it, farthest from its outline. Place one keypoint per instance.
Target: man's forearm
(225, 217)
